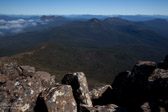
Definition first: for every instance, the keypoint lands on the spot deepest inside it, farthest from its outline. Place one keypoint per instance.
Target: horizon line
(92, 14)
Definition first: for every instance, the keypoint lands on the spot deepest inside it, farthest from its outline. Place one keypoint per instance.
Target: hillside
(160, 26)
(101, 65)
(100, 48)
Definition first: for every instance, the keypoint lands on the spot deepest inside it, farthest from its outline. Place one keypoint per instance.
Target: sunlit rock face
(57, 99)
(80, 88)
(20, 91)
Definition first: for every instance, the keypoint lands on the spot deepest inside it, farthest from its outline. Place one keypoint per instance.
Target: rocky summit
(143, 89)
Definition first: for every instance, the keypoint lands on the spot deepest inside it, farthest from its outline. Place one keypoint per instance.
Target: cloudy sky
(125, 7)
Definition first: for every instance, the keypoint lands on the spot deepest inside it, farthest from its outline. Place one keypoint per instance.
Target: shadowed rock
(143, 69)
(163, 64)
(158, 90)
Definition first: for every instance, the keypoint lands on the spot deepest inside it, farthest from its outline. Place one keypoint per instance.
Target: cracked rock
(57, 99)
(80, 88)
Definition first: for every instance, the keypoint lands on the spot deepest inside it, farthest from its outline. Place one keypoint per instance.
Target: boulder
(97, 92)
(27, 70)
(104, 108)
(3, 79)
(139, 80)
(10, 70)
(121, 88)
(158, 74)
(45, 78)
(163, 64)
(56, 99)
(20, 94)
(143, 68)
(158, 89)
(43, 75)
(52, 80)
(145, 107)
(80, 88)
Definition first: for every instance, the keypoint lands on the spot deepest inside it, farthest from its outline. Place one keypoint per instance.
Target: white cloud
(2, 21)
(4, 28)
(17, 21)
(16, 26)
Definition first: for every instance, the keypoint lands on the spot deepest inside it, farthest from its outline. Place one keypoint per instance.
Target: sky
(96, 7)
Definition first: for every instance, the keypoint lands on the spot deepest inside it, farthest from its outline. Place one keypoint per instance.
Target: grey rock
(58, 99)
(3, 79)
(97, 92)
(45, 78)
(158, 73)
(20, 94)
(27, 70)
(80, 88)
(104, 108)
(10, 70)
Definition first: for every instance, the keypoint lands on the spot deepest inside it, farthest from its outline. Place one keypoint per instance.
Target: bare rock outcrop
(163, 64)
(143, 89)
(45, 78)
(27, 70)
(20, 94)
(22, 89)
(10, 70)
(57, 99)
(104, 108)
(97, 92)
(80, 88)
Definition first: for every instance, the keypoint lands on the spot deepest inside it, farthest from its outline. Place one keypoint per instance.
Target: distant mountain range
(89, 16)
(99, 47)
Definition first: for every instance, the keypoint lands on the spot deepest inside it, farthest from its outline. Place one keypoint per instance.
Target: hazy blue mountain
(127, 17)
(160, 26)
